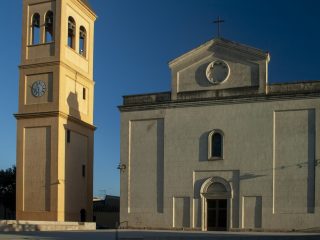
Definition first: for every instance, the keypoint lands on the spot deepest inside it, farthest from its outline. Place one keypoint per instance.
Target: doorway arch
(216, 204)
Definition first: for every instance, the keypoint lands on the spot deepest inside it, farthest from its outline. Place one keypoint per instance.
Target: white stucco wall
(259, 162)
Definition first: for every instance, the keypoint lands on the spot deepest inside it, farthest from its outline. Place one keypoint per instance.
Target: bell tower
(55, 128)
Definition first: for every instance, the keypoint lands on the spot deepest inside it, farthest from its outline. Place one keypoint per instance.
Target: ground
(155, 235)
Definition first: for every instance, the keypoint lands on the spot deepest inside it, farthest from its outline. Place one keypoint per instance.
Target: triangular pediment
(217, 65)
(216, 43)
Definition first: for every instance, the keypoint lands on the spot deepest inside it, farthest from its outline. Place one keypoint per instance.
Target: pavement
(156, 235)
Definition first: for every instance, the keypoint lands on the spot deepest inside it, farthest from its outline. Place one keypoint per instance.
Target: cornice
(19, 116)
(244, 49)
(220, 101)
(55, 63)
(87, 7)
(35, 65)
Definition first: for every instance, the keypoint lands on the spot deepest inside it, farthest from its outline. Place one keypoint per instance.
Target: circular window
(217, 71)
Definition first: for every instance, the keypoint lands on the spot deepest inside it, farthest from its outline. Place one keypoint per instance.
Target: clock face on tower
(217, 71)
(38, 88)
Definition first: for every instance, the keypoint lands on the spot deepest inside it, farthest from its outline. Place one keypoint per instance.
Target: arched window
(35, 29)
(49, 31)
(71, 32)
(82, 41)
(215, 144)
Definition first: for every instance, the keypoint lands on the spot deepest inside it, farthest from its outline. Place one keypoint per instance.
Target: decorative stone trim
(53, 114)
(220, 101)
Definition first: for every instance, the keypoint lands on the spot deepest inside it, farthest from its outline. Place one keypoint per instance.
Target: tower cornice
(89, 9)
(54, 114)
(55, 63)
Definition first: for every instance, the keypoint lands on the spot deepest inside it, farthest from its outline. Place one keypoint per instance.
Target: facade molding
(219, 101)
(244, 49)
(53, 114)
(56, 63)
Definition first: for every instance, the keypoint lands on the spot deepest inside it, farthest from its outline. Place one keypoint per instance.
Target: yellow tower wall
(55, 131)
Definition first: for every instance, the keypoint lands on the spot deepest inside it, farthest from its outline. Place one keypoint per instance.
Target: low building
(106, 211)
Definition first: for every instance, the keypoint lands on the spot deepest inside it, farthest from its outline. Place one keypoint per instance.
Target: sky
(135, 40)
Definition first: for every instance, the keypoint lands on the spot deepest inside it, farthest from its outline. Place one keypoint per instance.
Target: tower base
(24, 225)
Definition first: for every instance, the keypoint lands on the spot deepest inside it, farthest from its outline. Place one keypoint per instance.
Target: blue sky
(135, 39)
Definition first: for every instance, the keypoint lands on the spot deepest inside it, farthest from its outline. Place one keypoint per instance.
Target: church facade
(223, 150)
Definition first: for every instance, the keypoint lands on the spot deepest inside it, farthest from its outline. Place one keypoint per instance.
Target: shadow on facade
(203, 147)
(75, 171)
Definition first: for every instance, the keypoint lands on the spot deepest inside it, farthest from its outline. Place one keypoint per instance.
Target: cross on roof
(218, 22)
